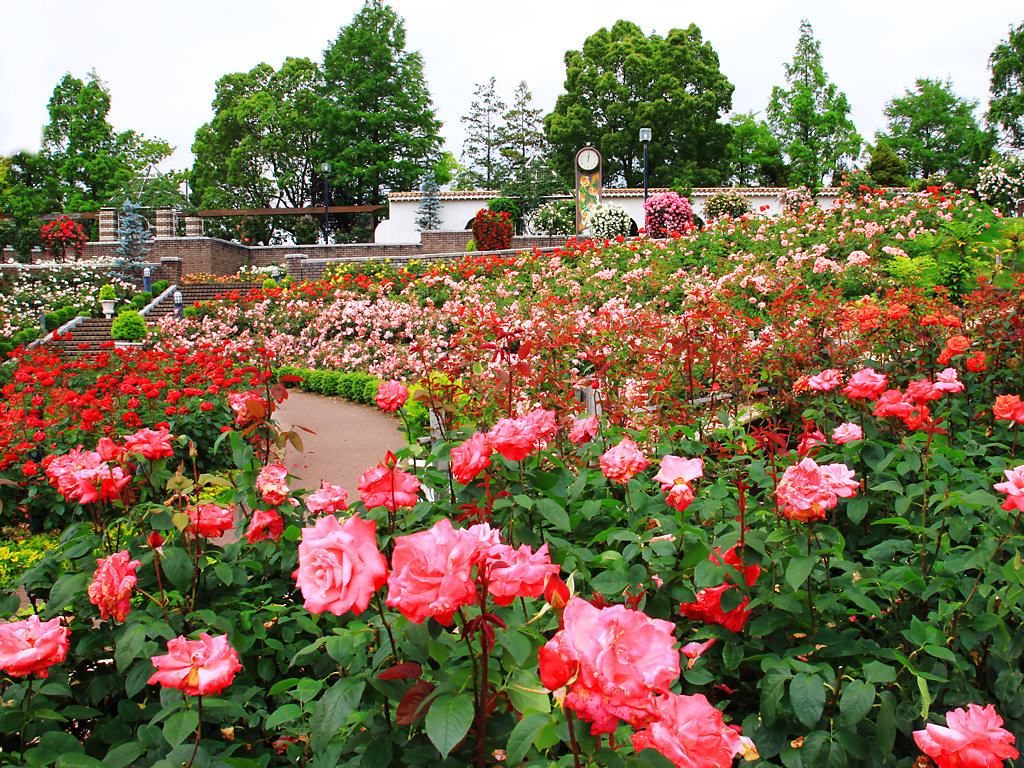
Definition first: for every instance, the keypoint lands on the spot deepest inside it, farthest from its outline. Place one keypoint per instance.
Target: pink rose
(328, 499)
(202, 667)
(973, 738)
(693, 651)
(391, 395)
(689, 732)
(431, 572)
(513, 573)
(210, 520)
(382, 486)
(675, 474)
(84, 476)
(153, 444)
(809, 441)
(272, 483)
(248, 406)
(892, 402)
(866, 383)
(1013, 488)
(31, 646)
(265, 524)
(470, 458)
(514, 439)
(825, 381)
(112, 585)
(542, 423)
(584, 430)
(613, 660)
(340, 566)
(621, 462)
(805, 491)
(921, 391)
(949, 381)
(844, 433)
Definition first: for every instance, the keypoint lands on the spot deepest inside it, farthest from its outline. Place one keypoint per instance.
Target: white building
(458, 208)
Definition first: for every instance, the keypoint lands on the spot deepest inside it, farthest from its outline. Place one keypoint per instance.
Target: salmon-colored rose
(958, 344)
(391, 395)
(202, 667)
(210, 520)
(971, 738)
(112, 585)
(31, 646)
(471, 457)
(384, 486)
(689, 731)
(621, 462)
(265, 524)
(340, 566)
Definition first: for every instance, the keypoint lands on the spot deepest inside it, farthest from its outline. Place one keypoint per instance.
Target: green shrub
(370, 387)
(129, 325)
(471, 246)
(730, 203)
(557, 217)
(107, 292)
(269, 283)
(160, 286)
(18, 555)
(305, 230)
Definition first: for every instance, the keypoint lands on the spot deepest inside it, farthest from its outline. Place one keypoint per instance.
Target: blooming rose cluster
(84, 476)
(807, 490)
(327, 499)
(617, 664)
(515, 439)
(432, 571)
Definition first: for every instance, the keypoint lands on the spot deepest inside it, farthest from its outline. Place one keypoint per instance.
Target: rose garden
(748, 492)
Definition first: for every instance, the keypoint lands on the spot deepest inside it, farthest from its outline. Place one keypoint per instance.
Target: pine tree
(810, 118)
(481, 149)
(521, 137)
(428, 214)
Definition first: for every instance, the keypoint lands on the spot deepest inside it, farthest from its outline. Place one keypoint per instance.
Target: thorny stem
(199, 731)
(573, 742)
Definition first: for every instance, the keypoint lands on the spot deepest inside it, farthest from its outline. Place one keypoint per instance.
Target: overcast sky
(162, 59)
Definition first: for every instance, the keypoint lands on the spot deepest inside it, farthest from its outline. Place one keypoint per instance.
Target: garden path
(349, 439)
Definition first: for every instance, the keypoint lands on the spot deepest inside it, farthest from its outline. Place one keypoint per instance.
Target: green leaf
(856, 701)
(283, 714)
(523, 735)
(65, 590)
(78, 760)
(129, 645)
(122, 755)
(926, 697)
(857, 509)
(877, 672)
(333, 709)
(554, 513)
(799, 569)
(654, 759)
(448, 720)
(807, 696)
(885, 723)
(609, 583)
(178, 566)
(224, 573)
(773, 686)
(180, 725)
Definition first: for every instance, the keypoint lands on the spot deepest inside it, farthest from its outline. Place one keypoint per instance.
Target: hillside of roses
(751, 494)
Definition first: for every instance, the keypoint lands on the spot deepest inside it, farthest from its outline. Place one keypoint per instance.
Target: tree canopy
(1006, 101)
(258, 149)
(379, 131)
(810, 118)
(623, 80)
(754, 153)
(935, 132)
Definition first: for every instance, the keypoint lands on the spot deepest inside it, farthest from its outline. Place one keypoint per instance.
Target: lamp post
(147, 280)
(645, 137)
(179, 304)
(326, 168)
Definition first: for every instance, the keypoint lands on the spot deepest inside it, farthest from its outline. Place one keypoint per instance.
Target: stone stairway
(90, 336)
(194, 292)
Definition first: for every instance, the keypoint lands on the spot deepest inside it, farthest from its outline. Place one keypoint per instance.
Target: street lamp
(645, 137)
(326, 168)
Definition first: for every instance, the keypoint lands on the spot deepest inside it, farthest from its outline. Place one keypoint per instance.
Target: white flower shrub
(609, 220)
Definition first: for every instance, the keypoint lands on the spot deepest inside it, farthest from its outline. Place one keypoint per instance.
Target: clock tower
(588, 184)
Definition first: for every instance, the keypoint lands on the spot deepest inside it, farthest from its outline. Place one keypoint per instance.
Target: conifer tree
(482, 147)
(428, 214)
(810, 118)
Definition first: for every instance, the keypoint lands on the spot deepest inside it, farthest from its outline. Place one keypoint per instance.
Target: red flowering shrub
(61, 236)
(492, 231)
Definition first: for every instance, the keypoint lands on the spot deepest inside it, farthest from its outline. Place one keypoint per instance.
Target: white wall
(458, 208)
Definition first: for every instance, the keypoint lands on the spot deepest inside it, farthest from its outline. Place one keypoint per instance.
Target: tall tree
(521, 134)
(810, 118)
(258, 149)
(755, 154)
(379, 129)
(886, 168)
(624, 80)
(90, 161)
(482, 147)
(935, 132)
(1006, 100)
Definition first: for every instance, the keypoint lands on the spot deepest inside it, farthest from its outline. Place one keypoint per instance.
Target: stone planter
(108, 307)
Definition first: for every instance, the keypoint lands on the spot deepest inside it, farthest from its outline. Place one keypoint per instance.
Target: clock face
(588, 159)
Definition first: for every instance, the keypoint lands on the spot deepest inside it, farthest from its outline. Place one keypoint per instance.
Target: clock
(587, 159)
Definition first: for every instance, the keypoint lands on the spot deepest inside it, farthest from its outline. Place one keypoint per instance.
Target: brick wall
(207, 255)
